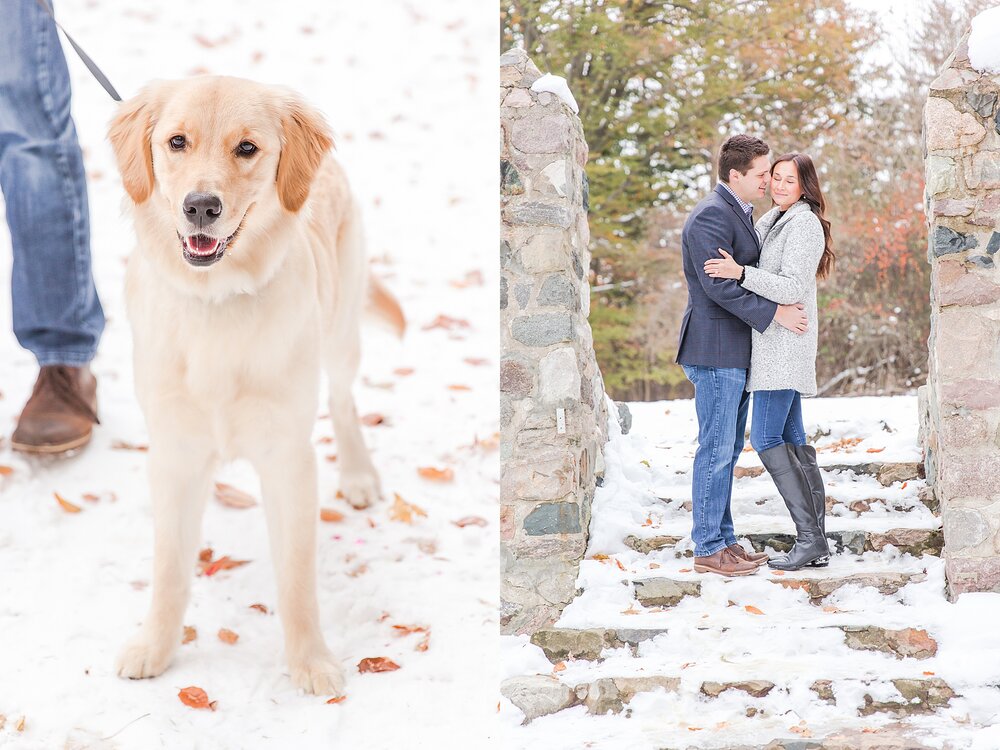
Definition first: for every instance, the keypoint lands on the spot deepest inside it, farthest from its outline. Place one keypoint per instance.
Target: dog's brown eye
(246, 149)
(178, 142)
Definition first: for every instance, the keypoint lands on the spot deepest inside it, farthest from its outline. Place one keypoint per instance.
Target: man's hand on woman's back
(792, 317)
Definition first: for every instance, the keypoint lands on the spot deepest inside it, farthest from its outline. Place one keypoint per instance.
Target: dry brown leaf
(6, 471)
(190, 634)
(631, 610)
(372, 420)
(195, 697)
(90, 497)
(903, 485)
(619, 564)
(331, 457)
(424, 644)
(121, 445)
(600, 556)
(377, 664)
(228, 636)
(437, 475)
(205, 555)
(929, 674)
(471, 521)
(447, 323)
(232, 497)
(875, 450)
(66, 505)
(684, 570)
(20, 724)
(330, 515)
(831, 610)
(404, 511)
(559, 666)
(654, 566)
(777, 572)
(341, 699)
(260, 608)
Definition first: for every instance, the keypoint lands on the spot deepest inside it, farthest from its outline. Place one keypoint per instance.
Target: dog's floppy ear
(129, 134)
(305, 140)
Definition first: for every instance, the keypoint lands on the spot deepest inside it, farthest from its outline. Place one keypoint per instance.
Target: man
(57, 315)
(714, 346)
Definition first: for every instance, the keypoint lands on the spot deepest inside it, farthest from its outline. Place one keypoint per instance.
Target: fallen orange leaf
(476, 361)
(205, 555)
(232, 497)
(6, 471)
(189, 634)
(121, 445)
(408, 629)
(90, 497)
(66, 505)
(929, 674)
(618, 563)
(259, 607)
(403, 371)
(437, 475)
(470, 521)
(330, 516)
(424, 644)
(404, 511)
(377, 664)
(459, 387)
(599, 556)
(228, 636)
(195, 697)
(875, 450)
(331, 457)
(223, 563)
(20, 724)
(903, 485)
(341, 699)
(752, 610)
(372, 420)
(559, 666)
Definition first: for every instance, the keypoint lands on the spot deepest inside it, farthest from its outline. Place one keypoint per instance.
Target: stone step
(588, 644)
(678, 498)
(543, 695)
(911, 541)
(666, 591)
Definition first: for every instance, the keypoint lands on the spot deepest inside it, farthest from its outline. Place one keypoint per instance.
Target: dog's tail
(384, 305)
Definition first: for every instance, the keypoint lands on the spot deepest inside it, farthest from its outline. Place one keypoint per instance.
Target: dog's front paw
(143, 657)
(361, 488)
(319, 673)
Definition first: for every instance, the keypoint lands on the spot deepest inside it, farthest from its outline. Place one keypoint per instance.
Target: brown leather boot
(757, 558)
(61, 412)
(724, 563)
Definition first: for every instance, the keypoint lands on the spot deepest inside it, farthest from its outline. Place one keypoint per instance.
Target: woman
(796, 249)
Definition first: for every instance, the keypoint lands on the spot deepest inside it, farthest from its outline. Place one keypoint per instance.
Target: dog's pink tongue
(199, 243)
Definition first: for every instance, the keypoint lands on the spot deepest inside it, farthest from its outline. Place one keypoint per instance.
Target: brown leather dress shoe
(724, 563)
(757, 558)
(61, 412)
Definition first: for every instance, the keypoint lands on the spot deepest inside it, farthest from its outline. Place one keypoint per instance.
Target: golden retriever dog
(249, 275)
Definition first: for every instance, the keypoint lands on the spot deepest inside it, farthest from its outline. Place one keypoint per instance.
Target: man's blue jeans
(720, 403)
(56, 312)
(777, 419)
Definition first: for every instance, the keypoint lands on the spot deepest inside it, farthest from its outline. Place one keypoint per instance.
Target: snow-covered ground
(410, 90)
(750, 628)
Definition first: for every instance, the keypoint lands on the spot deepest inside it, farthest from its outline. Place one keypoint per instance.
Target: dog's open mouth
(204, 250)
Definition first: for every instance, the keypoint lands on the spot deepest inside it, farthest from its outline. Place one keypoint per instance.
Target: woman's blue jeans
(56, 312)
(776, 419)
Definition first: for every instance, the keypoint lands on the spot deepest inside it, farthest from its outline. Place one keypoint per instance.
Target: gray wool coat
(791, 249)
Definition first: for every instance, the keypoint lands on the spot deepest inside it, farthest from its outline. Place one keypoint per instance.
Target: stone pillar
(960, 405)
(553, 416)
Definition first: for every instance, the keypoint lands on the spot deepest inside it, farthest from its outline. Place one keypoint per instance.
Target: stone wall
(960, 406)
(553, 415)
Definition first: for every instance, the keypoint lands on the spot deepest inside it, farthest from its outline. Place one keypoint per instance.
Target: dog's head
(211, 152)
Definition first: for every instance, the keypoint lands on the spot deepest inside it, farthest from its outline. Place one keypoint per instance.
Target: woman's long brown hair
(811, 194)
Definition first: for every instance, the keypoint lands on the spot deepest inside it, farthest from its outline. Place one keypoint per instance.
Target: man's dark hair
(738, 152)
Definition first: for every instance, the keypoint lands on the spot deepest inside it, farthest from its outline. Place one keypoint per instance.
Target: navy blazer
(715, 331)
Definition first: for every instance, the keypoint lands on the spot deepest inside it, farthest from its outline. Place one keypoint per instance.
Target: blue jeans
(721, 406)
(57, 315)
(777, 419)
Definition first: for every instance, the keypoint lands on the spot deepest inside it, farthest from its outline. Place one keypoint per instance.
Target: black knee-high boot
(789, 477)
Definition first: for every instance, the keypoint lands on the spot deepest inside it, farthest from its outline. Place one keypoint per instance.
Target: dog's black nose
(202, 208)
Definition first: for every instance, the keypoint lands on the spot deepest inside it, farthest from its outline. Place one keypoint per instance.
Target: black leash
(91, 65)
